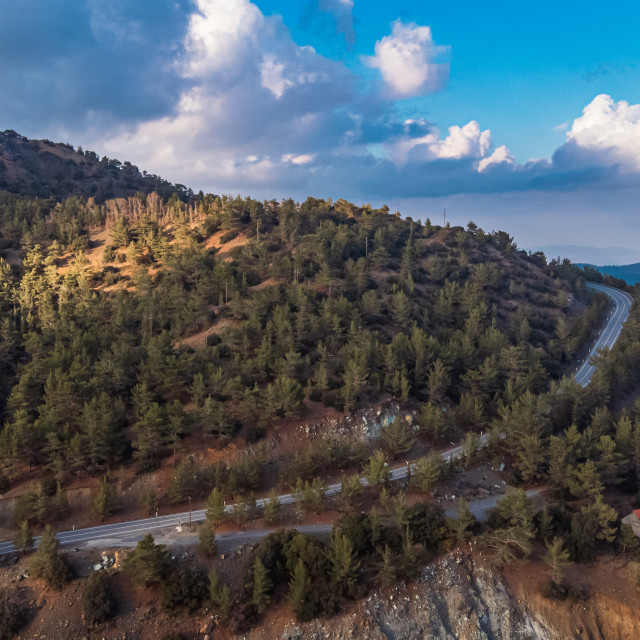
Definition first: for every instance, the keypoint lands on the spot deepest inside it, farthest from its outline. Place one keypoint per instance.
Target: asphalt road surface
(610, 333)
(117, 533)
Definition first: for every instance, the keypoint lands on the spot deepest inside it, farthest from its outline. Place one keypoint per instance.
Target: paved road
(110, 534)
(611, 331)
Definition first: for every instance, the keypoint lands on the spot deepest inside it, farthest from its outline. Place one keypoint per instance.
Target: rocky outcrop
(454, 598)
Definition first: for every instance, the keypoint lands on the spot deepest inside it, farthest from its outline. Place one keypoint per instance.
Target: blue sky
(517, 115)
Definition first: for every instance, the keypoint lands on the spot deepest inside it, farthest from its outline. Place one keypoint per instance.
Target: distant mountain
(582, 254)
(630, 273)
(41, 168)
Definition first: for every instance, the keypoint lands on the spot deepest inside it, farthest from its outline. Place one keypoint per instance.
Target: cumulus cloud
(608, 133)
(407, 60)
(260, 108)
(501, 155)
(468, 142)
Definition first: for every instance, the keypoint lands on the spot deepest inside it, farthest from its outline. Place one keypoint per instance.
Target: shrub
(48, 563)
(228, 237)
(98, 602)
(184, 589)
(207, 538)
(12, 617)
(148, 562)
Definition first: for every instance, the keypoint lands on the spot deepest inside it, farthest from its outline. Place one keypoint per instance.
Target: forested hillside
(41, 168)
(290, 303)
(158, 351)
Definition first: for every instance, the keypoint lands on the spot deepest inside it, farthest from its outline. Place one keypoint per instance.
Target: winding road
(126, 533)
(608, 336)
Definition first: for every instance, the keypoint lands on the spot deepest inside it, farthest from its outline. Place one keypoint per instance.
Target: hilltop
(43, 169)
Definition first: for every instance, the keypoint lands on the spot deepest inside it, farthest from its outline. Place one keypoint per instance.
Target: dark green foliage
(104, 375)
(106, 500)
(427, 524)
(12, 617)
(183, 589)
(98, 602)
(148, 562)
(356, 527)
(207, 537)
(24, 538)
(47, 562)
(397, 437)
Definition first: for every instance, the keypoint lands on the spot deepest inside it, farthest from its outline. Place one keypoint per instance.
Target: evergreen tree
(427, 471)
(344, 564)
(207, 537)
(272, 508)
(557, 559)
(47, 562)
(148, 562)
(261, 586)
(397, 437)
(215, 508)
(98, 602)
(376, 470)
(24, 537)
(106, 499)
(220, 596)
(299, 591)
(387, 572)
(464, 522)
(351, 492)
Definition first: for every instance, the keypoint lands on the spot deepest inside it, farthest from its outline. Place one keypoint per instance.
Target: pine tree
(376, 470)
(24, 537)
(397, 437)
(60, 503)
(586, 482)
(220, 596)
(272, 508)
(387, 567)
(148, 562)
(557, 559)
(47, 562)
(344, 564)
(351, 492)
(464, 521)
(215, 509)
(313, 495)
(376, 527)
(207, 537)
(545, 525)
(299, 589)
(105, 502)
(427, 471)
(261, 586)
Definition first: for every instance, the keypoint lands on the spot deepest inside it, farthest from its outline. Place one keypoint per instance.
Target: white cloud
(610, 132)
(272, 76)
(221, 34)
(407, 61)
(304, 158)
(468, 142)
(501, 155)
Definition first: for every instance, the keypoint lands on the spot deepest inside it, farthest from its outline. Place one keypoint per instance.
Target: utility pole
(189, 513)
(444, 218)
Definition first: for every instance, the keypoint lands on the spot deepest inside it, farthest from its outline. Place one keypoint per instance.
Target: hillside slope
(41, 168)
